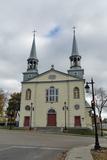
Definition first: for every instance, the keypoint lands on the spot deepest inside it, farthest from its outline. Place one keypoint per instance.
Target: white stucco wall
(65, 85)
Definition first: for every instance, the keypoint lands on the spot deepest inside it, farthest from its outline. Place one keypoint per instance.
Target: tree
(13, 105)
(101, 99)
(3, 100)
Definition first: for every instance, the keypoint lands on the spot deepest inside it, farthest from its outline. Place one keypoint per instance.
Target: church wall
(41, 107)
(88, 118)
(25, 102)
(72, 102)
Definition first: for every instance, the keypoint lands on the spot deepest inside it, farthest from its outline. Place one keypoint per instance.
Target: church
(54, 98)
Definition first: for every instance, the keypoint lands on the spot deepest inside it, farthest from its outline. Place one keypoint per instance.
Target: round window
(27, 108)
(77, 106)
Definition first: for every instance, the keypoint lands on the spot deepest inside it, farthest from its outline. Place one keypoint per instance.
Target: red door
(77, 121)
(26, 121)
(51, 120)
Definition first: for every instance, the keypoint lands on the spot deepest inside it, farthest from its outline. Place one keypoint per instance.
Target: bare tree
(101, 99)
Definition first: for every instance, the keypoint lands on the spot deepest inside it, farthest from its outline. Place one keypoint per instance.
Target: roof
(57, 72)
(74, 46)
(33, 49)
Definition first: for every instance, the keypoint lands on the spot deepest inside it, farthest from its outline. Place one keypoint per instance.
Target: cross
(34, 32)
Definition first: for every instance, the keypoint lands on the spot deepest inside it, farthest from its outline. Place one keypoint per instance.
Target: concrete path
(81, 153)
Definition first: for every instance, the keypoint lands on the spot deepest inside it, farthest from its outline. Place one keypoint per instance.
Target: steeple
(74, 44)
(33, 49)
(75, 60)
(32, 62)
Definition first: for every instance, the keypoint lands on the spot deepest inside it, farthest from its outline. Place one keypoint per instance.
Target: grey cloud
(19, 18)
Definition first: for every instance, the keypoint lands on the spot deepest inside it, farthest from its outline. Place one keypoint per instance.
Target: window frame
(52, 94)
(28, 94)
(76, 93)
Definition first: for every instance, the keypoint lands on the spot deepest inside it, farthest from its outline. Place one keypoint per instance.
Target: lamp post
(31, 109)
(65, 108)
(96, 146)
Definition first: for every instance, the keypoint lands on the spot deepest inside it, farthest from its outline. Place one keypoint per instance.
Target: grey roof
(74, 46)
(33, 49)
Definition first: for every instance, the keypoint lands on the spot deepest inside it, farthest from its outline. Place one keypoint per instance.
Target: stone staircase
(49, 129)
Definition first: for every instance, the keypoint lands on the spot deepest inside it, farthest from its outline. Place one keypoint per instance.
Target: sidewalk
(81, 153)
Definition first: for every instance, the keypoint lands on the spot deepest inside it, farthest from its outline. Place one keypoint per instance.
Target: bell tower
(75, 60)
(32, 63)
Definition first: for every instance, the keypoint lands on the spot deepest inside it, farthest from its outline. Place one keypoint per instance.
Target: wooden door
(26, 121)
(51, 120)
(77, 121)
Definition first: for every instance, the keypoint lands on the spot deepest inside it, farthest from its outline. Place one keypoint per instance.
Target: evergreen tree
(14, 104)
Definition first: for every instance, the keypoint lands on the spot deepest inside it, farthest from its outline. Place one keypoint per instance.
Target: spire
(32, 60)
(75, 60)
(74, 45)
(33, 49)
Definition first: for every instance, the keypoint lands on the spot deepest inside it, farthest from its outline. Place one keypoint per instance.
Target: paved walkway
(81, 153)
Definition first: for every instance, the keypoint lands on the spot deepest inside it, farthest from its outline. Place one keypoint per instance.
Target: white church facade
(54, 98)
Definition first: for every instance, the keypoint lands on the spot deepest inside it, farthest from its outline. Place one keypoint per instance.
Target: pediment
(53, 75)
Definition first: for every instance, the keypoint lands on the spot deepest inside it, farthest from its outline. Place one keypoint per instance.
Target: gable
(53, 75)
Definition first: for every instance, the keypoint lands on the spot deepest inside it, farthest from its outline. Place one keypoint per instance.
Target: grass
(79, 131)
(12, 128)
(69, 131)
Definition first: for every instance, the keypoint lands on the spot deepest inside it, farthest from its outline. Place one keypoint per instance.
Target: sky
(53, 20)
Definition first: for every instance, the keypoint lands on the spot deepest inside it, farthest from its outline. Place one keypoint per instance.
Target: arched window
(52, 94)
(28, 94)
(76, 93)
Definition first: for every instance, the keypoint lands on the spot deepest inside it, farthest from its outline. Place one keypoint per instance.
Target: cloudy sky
(53, 20)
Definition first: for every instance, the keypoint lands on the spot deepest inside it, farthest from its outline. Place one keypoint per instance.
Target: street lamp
(97, 146)
(65, 108)
(31, 109)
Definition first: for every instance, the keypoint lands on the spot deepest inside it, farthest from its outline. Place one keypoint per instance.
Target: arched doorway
(51, 118)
